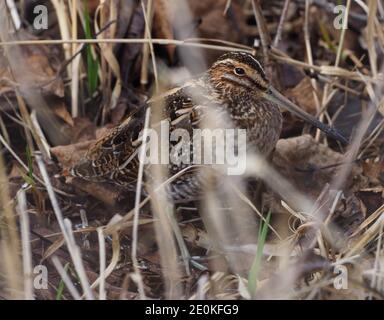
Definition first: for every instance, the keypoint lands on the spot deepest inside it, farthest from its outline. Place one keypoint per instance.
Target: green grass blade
(92, 64)
(60, 288)
(29, 177)
(256, 264)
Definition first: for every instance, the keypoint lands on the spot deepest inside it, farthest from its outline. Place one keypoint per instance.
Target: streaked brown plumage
(235, 85)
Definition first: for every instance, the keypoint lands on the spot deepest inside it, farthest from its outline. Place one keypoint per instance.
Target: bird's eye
(239, 71)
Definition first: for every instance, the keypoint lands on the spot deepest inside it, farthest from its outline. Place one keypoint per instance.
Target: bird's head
(238, 75)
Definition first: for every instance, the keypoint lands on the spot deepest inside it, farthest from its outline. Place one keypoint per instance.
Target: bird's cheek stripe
(245, 82)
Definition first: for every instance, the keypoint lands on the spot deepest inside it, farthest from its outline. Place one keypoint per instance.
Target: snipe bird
(235, 84)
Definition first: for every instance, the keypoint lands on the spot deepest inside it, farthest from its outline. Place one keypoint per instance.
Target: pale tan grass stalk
(224, 42)
(164, 229)
(372, 5)
(373, 217)
(26, 244)
(165, 223)
(184, 43)
(4, 130)
(102, 259)
(115, 259)
(62, 18)
(137, 275)
(148, 16)
(378, 267)
(107, 55)
(75, 70)
(201, 284)
(14, 14)
(66, 229)
(359, 244)
(39, 132)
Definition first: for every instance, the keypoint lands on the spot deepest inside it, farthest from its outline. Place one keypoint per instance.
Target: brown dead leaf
(92, 5)
(61, 110)
(41, 72)
(162, 26)
(104, 192)
(71, 154)
(311, 165)
(53, 248)
(374, 171)
(205, 19)
(5, 75)
(302, 94)
(83, 130)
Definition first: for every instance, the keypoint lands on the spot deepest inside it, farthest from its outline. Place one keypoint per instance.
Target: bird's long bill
(276, 97)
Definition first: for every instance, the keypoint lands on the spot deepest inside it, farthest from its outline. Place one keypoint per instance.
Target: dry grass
(223, 235)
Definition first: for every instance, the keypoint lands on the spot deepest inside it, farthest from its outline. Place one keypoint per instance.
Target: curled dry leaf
(40, 72)
(44, 75)
(311, 165)
(162, 25)
(302, 94)
(5, 75)
(101, 191)
(60, 109)
(70, 154)
(53, 248)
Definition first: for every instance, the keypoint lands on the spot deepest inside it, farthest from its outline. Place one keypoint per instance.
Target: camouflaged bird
(235, 86)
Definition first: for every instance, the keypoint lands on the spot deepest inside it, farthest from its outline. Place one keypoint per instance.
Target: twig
(280, 27)
(263, 30)
(310, 61)
(136, 210)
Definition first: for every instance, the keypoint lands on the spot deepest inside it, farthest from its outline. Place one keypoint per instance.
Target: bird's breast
(263, 122)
